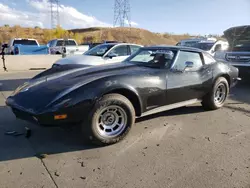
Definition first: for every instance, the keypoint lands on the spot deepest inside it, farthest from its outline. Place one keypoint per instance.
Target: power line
(54, 13)
(122, 13)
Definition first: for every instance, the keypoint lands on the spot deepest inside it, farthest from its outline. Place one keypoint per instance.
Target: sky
(172, 16)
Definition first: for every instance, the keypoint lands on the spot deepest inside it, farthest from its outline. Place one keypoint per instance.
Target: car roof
(122, 43)
(63, 39)
(173, 48)
(207, 41)
(23, 39)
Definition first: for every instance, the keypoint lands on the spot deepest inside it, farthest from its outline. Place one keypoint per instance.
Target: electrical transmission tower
(54, 13)
(122, 13)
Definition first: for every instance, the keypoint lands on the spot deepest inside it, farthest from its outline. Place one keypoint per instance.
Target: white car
(56, 47)
(192, 41)
(101, 54)
(208, 44)
(212, 47)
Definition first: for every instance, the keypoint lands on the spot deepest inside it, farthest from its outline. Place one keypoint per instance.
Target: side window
(52, 43)
(134, 49)
(59, 43)
(71, 43)
(208, 58)
(185, 56)
(120, 50)
(217, 47)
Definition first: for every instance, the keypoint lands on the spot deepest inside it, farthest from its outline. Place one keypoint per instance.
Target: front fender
(120, 87)
(94, 91)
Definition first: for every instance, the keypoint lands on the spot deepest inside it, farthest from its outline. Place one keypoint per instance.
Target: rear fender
(223, 70)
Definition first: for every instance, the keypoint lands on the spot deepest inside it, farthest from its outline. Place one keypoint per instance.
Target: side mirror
(5, 46)
(111, 55)
(188, 64)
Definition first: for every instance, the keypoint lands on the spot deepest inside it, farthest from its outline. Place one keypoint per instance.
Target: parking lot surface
(181, 148)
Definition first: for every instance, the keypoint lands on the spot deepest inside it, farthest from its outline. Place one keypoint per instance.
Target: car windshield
(66, 43)
(204, 45)
(241, 46)
(152, 57)
(190, 43)
(99, 50)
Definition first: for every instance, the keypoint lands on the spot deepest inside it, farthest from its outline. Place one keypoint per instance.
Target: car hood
(81, 59)
(39, 93)
(238, 35)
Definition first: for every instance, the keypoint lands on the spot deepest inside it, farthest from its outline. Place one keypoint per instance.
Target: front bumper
(75, 114)
(235, 81)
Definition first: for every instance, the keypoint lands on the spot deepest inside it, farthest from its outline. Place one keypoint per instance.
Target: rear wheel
(216, 98)
(110, 120)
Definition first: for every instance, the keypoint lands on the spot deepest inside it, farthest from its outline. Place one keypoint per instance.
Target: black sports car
(106, 99)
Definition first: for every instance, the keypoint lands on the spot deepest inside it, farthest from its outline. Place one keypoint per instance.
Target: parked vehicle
(67, 46)
(106, 99)
(102, 54)
(92, 45)
(192, 41)
(30, 50)
(238, 54)
(20, 41)
(212, 47)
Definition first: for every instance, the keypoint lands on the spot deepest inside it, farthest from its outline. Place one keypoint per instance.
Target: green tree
(78, 37)
(71, 35)
(59, 32)
(48, 35)
(96, 38)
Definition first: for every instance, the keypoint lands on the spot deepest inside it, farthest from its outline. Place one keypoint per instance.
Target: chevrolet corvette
(106, 99)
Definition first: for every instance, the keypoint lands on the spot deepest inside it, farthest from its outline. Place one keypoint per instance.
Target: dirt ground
(181, 148)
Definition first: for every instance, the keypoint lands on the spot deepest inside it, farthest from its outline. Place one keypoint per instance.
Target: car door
(118, 54)
(188, 77)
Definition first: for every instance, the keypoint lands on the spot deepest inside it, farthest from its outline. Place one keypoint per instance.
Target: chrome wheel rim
(220, 94)
(111, 121)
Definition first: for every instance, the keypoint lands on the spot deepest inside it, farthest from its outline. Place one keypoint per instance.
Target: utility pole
(54, 13)
(122, 13)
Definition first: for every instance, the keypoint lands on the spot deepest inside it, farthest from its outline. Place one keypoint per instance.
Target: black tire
(91, 128)
(209, 102)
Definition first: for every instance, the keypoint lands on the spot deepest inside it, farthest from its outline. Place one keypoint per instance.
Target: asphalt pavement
(181, 148)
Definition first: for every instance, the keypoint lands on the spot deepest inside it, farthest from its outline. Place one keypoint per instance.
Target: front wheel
(110, 120)
(216, 98)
